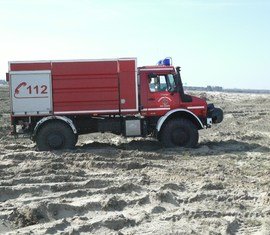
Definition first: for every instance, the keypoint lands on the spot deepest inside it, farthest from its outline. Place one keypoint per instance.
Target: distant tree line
(221, 89)
(3, 82)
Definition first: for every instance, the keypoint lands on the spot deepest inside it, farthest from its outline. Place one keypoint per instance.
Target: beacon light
(167, 61)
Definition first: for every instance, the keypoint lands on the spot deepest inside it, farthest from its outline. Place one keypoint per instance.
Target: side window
(158, 83)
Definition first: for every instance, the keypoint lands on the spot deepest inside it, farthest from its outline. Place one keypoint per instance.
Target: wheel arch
(179, 113)
(48, 119)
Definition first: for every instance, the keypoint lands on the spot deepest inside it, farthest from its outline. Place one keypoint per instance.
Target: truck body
(55, 101)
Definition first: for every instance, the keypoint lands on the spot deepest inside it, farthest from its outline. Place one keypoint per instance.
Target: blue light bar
(167, 61)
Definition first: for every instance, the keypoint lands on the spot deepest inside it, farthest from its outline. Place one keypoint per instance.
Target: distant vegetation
(221, 89)
(3, 82)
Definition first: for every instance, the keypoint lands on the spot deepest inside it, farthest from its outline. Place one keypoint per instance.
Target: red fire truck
(55, 101)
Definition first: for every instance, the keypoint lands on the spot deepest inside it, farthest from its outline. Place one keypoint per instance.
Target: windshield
(170, 82)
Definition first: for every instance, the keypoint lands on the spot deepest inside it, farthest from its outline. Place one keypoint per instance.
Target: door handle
(151, 99)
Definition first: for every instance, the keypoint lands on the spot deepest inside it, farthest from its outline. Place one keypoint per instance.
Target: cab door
(161, 94)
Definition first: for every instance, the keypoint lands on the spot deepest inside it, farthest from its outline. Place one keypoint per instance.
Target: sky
(218, 42)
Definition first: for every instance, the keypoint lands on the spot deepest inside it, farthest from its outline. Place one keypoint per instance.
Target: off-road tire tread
(70, 138)
(187, 125)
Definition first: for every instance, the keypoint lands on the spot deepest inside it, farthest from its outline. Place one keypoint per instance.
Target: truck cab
(176, 116)
(162, 91)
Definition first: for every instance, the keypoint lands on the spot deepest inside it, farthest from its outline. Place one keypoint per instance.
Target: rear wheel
(179, 133)
(54, 136)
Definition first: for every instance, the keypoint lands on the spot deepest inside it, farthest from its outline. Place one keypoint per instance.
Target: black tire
(55, 135)
(179, 133)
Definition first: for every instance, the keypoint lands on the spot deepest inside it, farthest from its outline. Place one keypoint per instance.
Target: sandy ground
(112, 185)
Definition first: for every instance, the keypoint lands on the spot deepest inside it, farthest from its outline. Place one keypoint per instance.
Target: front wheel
(179, 133)
(54, 136)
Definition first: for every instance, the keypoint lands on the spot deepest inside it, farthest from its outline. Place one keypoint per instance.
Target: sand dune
(112, 185)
